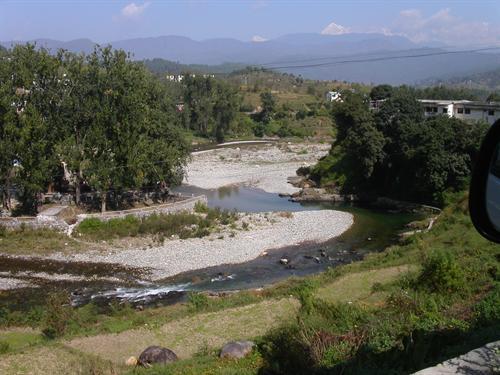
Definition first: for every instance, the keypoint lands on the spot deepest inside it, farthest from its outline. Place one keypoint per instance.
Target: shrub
(197, 301)
(441, 273)
(200, 208)
(4, 347)
(488, 310)
(3, 231)
(58, 313)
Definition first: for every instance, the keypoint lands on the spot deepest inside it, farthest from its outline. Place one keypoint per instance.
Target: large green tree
(396, 152)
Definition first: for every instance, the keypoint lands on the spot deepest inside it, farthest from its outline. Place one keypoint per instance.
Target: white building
(463, 109)
(333, 96)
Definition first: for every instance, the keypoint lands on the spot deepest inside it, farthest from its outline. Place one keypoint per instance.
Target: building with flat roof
(466, 110)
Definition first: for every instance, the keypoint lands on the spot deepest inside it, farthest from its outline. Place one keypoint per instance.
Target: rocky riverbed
(266, 167)
(257, 234)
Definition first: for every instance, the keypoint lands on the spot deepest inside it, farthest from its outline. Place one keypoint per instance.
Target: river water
(372, 231)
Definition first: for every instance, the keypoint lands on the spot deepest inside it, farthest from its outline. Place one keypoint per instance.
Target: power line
(384, 58)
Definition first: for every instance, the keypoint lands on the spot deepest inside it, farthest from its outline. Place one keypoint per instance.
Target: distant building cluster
(466, 110)
(180, 77)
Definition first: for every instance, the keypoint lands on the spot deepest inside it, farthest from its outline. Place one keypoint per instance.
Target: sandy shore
(266, 167)
(266, 231)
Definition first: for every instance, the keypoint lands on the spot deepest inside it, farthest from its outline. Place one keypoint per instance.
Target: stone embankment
(51, 218)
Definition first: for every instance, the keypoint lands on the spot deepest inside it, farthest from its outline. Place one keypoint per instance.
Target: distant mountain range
(303, 49)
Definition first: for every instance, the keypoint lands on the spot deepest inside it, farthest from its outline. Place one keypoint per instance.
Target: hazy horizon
(453, 23)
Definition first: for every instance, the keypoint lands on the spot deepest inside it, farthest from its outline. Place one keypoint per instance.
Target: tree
(493, 97)
(29, 86)
(398, 153)
(210, 106)
(105, 118)
(360, 141)
(381, 92)
(268, 107)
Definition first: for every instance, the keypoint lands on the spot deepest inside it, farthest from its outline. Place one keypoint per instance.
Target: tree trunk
(77, 193)
(6, 194)
(103, 202)
(78, 187)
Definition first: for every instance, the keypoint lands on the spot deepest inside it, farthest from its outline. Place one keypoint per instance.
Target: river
(372, 231)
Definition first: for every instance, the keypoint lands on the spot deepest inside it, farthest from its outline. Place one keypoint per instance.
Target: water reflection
(245, 199)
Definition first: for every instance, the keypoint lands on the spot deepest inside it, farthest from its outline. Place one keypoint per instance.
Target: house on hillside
(333, 96)
(465, 110)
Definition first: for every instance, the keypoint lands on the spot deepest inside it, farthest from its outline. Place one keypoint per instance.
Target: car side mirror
(484, 194)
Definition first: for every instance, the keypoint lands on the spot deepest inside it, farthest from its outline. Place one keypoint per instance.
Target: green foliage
(106, 118)
(396, 152)
(442, 273)
(493, 97)
(4, 347)
(200, 208)
(198, 301)
(488, 310)
(268, 107)
(437, 314)
(381, 92)
(184, 224)
(58, 313)
(210, 106)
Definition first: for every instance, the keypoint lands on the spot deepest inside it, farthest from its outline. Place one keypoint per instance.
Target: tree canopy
(395, 152)
(100, 117)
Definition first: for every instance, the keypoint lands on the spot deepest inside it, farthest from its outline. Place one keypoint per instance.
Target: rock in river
(156, 354)
(236, 349)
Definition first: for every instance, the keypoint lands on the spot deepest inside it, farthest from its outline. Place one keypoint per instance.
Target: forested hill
(162, 66)
(489, 80)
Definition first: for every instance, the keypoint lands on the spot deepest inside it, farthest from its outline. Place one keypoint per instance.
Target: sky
(459, 22)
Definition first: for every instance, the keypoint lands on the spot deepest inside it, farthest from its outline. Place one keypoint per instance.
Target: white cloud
(258, 39)
(443, 26)
(335, 29)
(133, 10)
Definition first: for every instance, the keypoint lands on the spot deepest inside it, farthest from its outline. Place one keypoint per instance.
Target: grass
(184, 224)
(366, 287)
(55, 359)
(26, 241)
(13, 340)
(190, 335)
(446, 304)
(417, 303)
(208, 365)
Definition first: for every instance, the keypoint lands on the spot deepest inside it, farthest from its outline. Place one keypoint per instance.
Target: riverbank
(257, 234)
(266, 167)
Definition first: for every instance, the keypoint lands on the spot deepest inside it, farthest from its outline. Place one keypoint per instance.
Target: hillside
(296, 53)
(489, 80)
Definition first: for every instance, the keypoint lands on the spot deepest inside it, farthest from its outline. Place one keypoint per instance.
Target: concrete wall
(184, 205)
(55, 223)
(38, 222)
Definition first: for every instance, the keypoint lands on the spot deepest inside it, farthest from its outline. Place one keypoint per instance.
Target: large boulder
(236, 349)
(156, 354)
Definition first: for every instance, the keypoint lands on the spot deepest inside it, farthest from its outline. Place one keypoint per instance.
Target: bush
(4, 347)
(200, 208)
(488, 310)
(197, 301)
(441, 273)
(58, 313)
